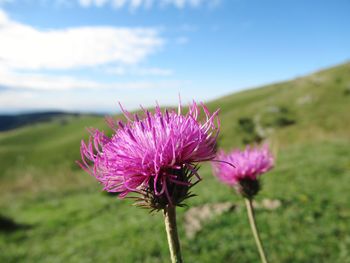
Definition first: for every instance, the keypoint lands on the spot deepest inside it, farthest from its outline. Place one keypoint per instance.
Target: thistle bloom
(155, 155)
(248, 166)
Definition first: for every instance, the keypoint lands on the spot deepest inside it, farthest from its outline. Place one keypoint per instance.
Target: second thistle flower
(249, 165)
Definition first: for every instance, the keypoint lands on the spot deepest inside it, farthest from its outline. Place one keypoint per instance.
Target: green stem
(171, 230)
(251, 217)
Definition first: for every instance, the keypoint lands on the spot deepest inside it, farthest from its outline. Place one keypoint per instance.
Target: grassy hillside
(50, 211)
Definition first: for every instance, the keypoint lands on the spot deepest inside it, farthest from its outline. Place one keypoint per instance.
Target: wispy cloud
(181, 40)
(42, 82)
(187, 28)
(2, 2)
(138, 71)
(37, 81)
(103, 97)
(147, 4)
(25, 47)
(91, 100)
(119, 4)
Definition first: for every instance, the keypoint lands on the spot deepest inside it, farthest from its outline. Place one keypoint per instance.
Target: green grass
(62, 215)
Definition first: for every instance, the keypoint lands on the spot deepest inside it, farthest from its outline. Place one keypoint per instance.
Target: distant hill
(315, 107)
(9, 122)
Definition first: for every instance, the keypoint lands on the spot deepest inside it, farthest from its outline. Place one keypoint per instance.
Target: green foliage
(247, 128)
(279, 118)
(51, 211)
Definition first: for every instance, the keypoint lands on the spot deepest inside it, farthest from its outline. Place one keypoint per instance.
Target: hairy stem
(171, 230)
(252, 222)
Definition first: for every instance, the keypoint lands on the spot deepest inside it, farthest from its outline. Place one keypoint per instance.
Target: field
(51, 211)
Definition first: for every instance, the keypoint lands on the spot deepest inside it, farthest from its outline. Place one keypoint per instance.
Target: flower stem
(251, 217)
(171, 230)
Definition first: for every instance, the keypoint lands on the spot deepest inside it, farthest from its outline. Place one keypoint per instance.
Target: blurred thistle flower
(155, 155)
(248, 166)
(243, 174)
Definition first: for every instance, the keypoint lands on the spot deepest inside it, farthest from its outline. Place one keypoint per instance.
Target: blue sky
(86, 55)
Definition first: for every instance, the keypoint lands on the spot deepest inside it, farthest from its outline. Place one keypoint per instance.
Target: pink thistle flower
(247, 166)
(155, 155)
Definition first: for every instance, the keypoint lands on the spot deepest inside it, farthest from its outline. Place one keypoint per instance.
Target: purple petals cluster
(151, 151)
(247, 166)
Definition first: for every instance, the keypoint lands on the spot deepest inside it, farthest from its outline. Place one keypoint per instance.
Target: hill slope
(58, 213)
(318, 104)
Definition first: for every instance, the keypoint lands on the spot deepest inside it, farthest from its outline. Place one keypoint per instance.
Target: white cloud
(42, 82)
(2, 2)
(104, 97)
(134, 4)
(187, 28)
(35, 81)
(32, 62)
(154, 72)
(93, 101)
(25, 47)
(181, 40)
(121, 71)
(24, 100)
(118, 3)
(85, 3)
